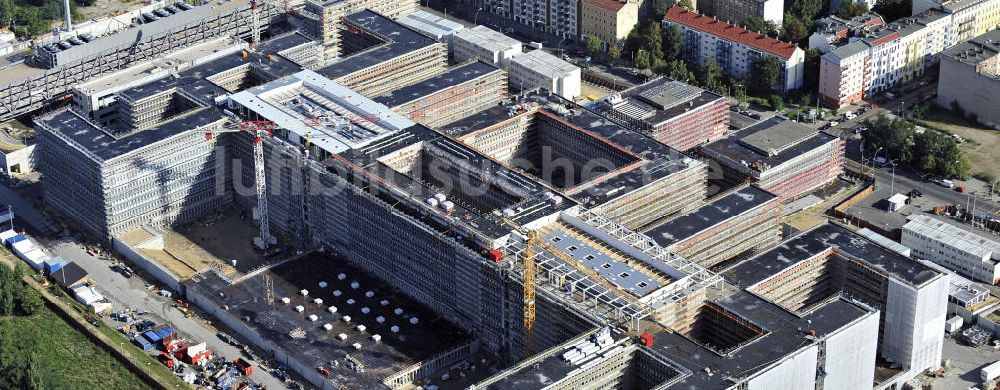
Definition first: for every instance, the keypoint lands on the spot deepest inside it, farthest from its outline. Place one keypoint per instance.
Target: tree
(710, 77)
(777, 103)
(938, 153)
(765, 73)
(895, 135)
(792, 29)
(957, 108)
(759, 25)
(31, 302)
(614, 53)
(672, 45)
(677, 70)
(654, 43)
(807, 10)
(810, 74)
(10, 288)
(850, 8)
(591, 45)
(686, 4)
(642, 60)
(892, 10)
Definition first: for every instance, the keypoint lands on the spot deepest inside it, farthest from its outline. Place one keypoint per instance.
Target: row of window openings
(572, 248)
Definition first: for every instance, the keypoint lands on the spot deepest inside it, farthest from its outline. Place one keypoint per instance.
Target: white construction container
(337, 293)
(313, 318)
(990, 372)
(342, 337)
(322, 284)
(285, 300)
(414, 320)
(341, 276)
(394, 329)
(318, 301)
(300, 309)
(327, 326)
(304, 292)
(376, 337)
(355, 285)
(356, 345)
(398, 311)
(351, 301)
(380, 319)
(953, 324)
(346, 318)
(366, 310)
(332, 309)
(360, 328)
(369, 294)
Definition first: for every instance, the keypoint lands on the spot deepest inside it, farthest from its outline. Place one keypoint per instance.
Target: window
(641, 285)
(606, 265)
(623, 275)
(571, 248)
(589, 257)
(556, 239)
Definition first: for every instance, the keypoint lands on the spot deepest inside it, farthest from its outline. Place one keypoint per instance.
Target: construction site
(323, 181)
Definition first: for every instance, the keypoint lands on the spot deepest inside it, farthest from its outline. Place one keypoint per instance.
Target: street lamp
(475, 20)
(874, 156)
(892, 184)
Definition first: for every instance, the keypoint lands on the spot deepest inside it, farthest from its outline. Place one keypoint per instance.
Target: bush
(985, 176)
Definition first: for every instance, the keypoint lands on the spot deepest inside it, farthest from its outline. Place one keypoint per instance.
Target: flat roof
(954, 236)
(659, 160)
(413, 343)
(787, 147)
(828, 235)
(159, 67)
(548, 65)
(400, 41)
(660, 100)
(431, 24)
(92, 138)
(720, 210)
(976, 50)
(349, 120)
(783, 336)
(777, 138)
(452, 77)
(487, 38)
(620, 273)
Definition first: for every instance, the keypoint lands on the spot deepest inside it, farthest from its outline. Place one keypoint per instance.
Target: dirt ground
(212, 241)
(982, 146)
(816, 214)
(103, 8)
(587, 89)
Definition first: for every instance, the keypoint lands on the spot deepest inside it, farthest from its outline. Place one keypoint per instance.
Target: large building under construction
(573, 250)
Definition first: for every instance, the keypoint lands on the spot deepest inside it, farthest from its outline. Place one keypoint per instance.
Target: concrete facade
(970, 75)
(539, 69)
(609, 20)
(957, 249)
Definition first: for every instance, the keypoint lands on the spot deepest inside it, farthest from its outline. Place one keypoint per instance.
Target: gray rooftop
(737, 151)
(976, 50)
(400, 41)
(722, 209)
(487, 38)
(430, 24)
(452, 77)
(105, 146)
(777, 138)
(620, 274)
(821, 238)
(659, 101)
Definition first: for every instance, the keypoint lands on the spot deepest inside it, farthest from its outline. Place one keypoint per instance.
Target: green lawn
(62, 357)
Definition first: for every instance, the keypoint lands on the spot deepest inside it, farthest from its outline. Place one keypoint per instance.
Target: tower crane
(530, 271)
(258, 130)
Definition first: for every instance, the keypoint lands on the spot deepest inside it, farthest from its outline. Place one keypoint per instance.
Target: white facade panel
(796, 372)
(850, 355)
(914, 325)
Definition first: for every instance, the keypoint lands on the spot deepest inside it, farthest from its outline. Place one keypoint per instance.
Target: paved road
(129, 292)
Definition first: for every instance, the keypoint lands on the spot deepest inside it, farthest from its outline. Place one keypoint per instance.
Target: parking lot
(964, 363)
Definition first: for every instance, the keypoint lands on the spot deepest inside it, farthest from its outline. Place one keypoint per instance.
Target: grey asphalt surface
(125, 292)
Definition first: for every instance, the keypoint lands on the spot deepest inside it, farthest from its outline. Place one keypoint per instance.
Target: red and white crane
(258, 130)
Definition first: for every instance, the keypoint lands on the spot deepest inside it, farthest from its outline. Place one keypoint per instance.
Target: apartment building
(609, 20)
(970, 75)
(679, 115)
(957, 249)
(559, 17)
(484, 44)
(781, 156)
(833, 31)
(738, 11)
(735, 49)
(539, 69)
(902, 50)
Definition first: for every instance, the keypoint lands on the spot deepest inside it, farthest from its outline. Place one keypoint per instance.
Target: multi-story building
(539, 69)
(829, 261)
(379, 55)
(679, 115)
(783, 157)
(735, 49)
(323, 18)
(902, 50)
(970, 76)
(431, 25)
(455, 94)
(832, 31)
(483, 44)
(730, 226)
(609, 20)
(559, 17)
(738, 11)
(953, 247)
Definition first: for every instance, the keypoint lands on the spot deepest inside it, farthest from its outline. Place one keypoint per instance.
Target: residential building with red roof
(734, 48)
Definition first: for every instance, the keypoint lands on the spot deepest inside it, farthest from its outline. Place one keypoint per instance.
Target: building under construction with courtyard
(525, 233)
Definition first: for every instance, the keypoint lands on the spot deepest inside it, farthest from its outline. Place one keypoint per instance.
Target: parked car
(834, 124)
(960, 189)
(915, 193)
(850, 115)
(945, 183)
